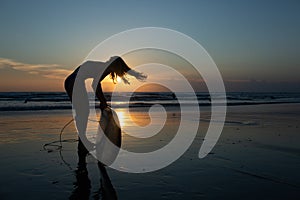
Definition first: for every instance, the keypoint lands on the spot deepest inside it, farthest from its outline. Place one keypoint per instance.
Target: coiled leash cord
(60, 141)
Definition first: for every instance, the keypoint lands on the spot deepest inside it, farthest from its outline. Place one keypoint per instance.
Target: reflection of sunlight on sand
(142, 124)
(136, 138)
(127, 118)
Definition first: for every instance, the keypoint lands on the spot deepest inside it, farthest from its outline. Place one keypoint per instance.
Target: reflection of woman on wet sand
(82, 185)
(115, 67)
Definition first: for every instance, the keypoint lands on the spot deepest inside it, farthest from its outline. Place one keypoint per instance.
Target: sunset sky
(255, 44)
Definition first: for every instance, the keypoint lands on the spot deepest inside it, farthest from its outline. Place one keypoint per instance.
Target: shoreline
(147, 105)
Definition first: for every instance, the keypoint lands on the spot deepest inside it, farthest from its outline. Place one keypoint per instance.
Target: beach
(257, 156)
(150, 100)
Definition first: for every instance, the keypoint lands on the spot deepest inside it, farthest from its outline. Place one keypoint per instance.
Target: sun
(119, 79)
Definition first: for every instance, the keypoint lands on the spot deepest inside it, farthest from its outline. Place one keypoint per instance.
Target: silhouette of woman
(115, 67)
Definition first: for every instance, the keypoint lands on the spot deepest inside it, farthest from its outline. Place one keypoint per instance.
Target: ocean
(30, 101)
(22, 101)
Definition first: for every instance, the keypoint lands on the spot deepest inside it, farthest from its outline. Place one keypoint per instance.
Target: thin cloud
(51, 71)
(237, 80)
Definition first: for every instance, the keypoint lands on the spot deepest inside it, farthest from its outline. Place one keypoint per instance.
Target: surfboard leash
(60, 141)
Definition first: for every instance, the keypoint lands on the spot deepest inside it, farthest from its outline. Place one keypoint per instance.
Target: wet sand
(256, 157)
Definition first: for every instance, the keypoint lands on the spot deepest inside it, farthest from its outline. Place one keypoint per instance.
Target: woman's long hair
(121, 69)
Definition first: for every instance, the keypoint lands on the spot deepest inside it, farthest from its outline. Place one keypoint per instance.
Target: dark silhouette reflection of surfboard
(82, 186)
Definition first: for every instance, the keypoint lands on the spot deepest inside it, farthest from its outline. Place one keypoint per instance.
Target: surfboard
(107, 148)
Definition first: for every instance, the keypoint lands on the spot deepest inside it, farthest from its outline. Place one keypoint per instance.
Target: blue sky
(252, 42)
